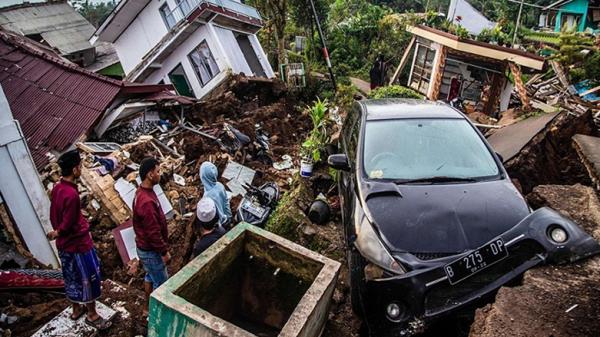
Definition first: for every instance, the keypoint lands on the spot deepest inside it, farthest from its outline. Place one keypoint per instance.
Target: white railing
(185, 7)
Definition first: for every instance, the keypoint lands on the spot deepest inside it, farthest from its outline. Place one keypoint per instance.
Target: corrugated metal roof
(60, 25)
(54, 101)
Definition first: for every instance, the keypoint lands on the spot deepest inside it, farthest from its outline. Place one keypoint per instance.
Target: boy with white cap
(207, 224)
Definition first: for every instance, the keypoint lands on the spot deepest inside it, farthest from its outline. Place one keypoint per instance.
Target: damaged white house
(191, 44)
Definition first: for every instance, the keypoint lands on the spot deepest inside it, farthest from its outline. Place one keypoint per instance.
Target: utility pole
(325, 51)
(518, 23)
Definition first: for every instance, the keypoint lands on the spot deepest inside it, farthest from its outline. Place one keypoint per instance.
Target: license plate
(476, 261)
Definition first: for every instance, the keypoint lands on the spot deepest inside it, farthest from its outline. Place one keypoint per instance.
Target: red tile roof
(55, 102)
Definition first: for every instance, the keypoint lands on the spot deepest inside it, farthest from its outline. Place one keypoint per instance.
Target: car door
(347, 179)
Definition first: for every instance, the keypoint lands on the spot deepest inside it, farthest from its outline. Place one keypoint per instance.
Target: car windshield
(421, 149)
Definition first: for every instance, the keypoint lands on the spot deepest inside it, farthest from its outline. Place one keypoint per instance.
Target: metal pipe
(325, 51)
(518, 23)
(199, 132)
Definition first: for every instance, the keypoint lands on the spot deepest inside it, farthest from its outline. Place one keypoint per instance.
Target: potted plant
(315, 143)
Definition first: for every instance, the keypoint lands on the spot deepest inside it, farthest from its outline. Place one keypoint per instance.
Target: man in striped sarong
(80, 265)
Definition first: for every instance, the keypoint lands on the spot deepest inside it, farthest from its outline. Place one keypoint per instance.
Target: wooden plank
(591, 91)
(404, 60)
(8, 223)
(562, 77)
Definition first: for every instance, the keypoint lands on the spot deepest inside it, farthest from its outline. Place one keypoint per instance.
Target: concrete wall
(22, 189)
(172, 315)
(143, 34)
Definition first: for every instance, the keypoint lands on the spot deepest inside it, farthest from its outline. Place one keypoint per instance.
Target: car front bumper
(424, 293)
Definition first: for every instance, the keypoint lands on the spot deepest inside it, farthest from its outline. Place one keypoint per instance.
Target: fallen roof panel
(510, 140)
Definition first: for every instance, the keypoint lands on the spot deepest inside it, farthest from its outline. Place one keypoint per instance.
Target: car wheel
(356, 265)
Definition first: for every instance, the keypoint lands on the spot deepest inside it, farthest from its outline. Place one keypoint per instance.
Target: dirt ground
(556, 301)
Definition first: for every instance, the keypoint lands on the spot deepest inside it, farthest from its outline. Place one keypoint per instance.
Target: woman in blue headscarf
(216, 191)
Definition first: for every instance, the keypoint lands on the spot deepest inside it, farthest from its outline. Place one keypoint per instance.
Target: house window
(571, 21)
(422, 69)
(167, 16)
(204, 63)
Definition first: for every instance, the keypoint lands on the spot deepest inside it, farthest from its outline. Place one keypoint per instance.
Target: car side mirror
(338, 162)
(500, 157)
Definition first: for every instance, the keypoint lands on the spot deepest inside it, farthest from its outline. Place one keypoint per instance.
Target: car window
(350, 136)
(408, 149)
(353, 142)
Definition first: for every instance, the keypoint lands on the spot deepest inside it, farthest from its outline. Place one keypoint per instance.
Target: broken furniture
(249, 283)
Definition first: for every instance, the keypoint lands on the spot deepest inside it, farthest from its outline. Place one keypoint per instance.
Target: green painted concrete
(575, 7)
(171, 315)
(115, 70)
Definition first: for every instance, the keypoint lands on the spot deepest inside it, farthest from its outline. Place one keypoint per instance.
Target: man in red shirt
(150, 227)
(80, 265)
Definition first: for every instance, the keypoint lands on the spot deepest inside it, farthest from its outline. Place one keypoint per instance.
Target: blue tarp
(584, 86)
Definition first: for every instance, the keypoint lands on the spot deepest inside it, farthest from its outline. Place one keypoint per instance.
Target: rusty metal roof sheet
(55, 101)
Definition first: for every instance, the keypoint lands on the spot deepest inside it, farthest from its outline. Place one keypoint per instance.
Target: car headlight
(558, 234)
(368, 244)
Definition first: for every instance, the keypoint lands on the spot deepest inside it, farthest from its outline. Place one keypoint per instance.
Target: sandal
(99, 323)
(81, 313)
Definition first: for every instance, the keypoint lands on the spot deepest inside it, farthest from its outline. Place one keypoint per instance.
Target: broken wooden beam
(521, 90)
(404, 60)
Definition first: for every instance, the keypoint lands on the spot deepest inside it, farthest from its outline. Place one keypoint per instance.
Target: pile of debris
(246, 124)
(557, 91)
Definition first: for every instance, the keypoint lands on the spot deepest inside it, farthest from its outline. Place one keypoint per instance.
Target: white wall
(262, 57)
(180, 55)
(143, 34)
(22, 189)
(234, 52)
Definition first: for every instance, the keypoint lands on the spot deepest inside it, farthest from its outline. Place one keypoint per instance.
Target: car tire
(356, 265)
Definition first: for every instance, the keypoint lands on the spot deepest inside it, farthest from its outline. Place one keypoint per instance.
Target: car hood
(442, 218)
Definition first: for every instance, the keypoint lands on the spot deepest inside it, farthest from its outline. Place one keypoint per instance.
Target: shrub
(592, 67)
(394, 91)
(577, 75)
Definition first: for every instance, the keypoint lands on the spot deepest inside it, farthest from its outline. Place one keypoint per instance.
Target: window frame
(191, 60)
(163, 15)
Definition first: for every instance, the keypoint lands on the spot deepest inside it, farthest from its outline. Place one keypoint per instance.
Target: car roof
(400, 108)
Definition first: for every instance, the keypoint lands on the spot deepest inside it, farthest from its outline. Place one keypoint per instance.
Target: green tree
(95, 13)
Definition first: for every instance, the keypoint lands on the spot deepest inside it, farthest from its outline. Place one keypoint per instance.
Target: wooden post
(516, 71)
(404, 60)
(438, 73)
(493, 94)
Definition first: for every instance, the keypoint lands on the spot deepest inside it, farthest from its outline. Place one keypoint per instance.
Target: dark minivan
(432, 221)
